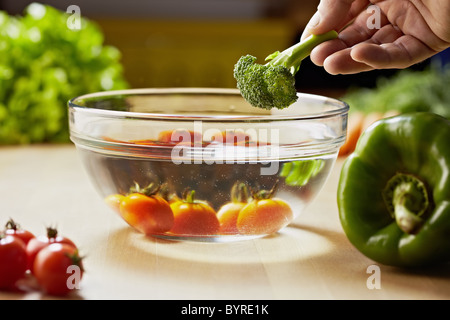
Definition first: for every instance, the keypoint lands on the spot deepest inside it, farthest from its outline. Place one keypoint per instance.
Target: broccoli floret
(272, 85)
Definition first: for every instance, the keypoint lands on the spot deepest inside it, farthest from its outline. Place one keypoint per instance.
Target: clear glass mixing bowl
(201, 163)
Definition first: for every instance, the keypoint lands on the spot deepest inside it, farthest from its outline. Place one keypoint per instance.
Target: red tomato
(13, 229)
(38, 243)
(58, 268)
(149, 214)
(13, 261)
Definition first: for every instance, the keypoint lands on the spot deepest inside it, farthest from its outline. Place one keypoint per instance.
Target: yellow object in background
(191, 53)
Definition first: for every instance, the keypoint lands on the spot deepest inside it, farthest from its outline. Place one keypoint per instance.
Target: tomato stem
(190, 196)
(265, 194)
(51, 232)
(149, 190)
(239, 193)
(166, 193)
(76, 259)
(11, 224)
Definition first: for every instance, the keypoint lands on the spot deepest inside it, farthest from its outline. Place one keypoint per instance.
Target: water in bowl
(293, 183)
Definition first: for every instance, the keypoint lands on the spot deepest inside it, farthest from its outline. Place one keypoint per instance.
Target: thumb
(331, 15)
(313, 23)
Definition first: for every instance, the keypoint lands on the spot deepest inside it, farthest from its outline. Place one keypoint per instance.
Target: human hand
(409, 32)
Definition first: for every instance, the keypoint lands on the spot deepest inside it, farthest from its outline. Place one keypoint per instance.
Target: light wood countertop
(311, 259)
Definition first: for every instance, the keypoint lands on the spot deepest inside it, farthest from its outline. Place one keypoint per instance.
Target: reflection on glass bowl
(202, 164)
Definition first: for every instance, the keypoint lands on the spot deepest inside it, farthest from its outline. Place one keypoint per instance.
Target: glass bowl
(201, 163)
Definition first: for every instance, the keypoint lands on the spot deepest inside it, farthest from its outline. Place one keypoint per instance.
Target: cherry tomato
(146, 211)
(146, 142)
(231, 137)
(193, 217)
(264, 214)
(229, 212)
(180, 136)
(13, 261)
(228, 215)
(114, 200)
(13, 229)
(58, 268)
(38, 243)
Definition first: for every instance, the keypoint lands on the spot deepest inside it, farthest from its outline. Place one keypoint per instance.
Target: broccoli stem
(292, 57)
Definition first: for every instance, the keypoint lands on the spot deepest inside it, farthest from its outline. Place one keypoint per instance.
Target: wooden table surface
(311, 259)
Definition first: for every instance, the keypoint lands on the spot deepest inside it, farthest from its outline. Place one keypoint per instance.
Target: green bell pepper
(394, 191)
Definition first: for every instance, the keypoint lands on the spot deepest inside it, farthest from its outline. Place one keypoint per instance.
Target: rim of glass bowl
(338, 109)
(341, 106)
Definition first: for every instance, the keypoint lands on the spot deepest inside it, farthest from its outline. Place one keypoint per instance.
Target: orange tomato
(179, 136)
(193, 217)
(233, 137)
(264, 214)
(147, 212)
(229, 212)
(145, 142)
(114, 200)
(228, 216)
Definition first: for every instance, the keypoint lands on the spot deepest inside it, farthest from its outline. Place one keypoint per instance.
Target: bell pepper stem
(407, 199)
(407, 220)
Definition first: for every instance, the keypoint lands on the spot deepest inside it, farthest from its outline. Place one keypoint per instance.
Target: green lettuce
(43, 64)
(406, 91)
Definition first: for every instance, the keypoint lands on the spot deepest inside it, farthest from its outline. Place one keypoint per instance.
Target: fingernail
(315, 20)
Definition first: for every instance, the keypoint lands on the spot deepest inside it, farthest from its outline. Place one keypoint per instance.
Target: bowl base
(209, 239)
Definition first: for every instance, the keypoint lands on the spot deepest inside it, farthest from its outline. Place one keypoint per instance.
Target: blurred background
(166, 43)
(154, 43)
